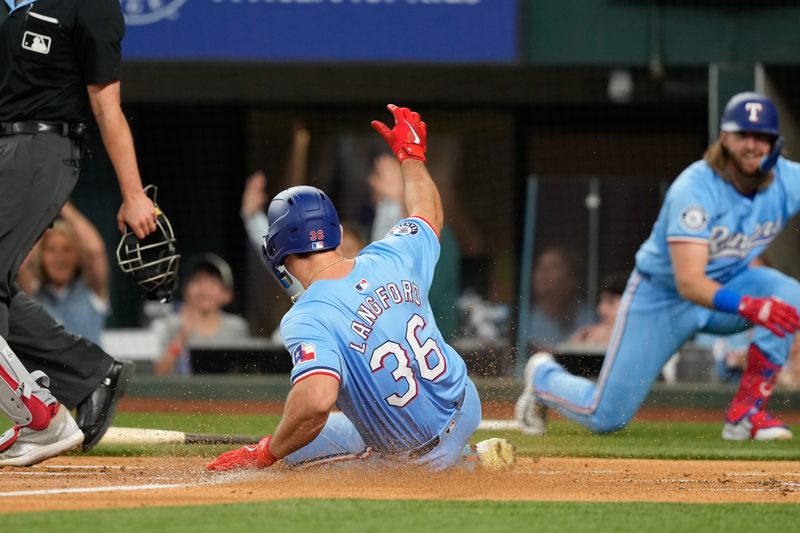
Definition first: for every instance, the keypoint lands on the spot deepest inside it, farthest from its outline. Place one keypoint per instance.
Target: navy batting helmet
(750, 111)
(301, 219)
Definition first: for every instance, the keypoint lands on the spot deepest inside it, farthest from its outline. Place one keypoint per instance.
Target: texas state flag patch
(304, 353)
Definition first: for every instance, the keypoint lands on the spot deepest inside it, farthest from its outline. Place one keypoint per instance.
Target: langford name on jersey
(373, 307)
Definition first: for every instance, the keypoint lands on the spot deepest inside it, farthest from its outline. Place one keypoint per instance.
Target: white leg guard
(22, 397)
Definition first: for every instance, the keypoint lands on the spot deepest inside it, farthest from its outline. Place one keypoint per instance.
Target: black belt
(425, 448)
(30, 127)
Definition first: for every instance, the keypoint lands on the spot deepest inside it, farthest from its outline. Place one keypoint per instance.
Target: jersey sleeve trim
(325, 371)
(427, 223)
(694, 240)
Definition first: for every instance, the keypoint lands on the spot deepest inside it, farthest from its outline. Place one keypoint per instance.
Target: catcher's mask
(301, 219)
(152, 261)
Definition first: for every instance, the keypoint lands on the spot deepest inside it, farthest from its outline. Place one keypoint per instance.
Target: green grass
(189, 423)
(647, 440)
(656, 440)
(382, 516)
(201, 423)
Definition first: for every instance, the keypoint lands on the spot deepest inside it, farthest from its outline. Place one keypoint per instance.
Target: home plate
(507, 425)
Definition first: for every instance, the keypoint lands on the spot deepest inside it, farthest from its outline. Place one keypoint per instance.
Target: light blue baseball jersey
(700, 206)
(374, 331)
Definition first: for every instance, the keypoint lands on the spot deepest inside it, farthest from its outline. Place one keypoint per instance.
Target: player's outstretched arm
(422, 195)
(307, 408)
(407, 140)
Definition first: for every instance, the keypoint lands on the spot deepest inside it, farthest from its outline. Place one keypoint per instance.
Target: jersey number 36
(404, 372)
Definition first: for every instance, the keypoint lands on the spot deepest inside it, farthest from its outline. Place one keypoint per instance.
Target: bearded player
(362, 335)
(692, 275)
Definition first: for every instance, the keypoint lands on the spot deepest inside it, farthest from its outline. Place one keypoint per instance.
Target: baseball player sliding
(362, 336)
(692, 275)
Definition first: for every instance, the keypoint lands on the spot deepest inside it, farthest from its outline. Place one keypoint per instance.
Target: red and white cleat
(756, 426)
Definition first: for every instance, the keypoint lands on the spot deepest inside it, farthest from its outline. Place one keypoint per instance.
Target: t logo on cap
(754, 108)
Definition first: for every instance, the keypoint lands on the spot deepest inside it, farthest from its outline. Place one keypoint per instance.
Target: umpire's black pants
(37, 175)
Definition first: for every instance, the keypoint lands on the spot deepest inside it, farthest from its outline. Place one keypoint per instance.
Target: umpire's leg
(37, 175)
(75, 365)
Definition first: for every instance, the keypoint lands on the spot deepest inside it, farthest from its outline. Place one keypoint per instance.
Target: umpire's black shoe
(95, 414)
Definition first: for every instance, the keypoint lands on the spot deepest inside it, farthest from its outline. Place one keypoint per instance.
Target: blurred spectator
(484, 321)
(255, 197)
(558, 301)
(208, 288)
(353, 240)
(67, 273)
(386, 183)
(254, 200)
(729, 352)
(730, 357)
(598, 335)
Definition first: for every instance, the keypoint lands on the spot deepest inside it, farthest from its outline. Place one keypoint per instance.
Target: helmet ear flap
(153, 261)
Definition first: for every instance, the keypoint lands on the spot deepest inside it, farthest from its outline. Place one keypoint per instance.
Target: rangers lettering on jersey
(722, 243)
(372, 307)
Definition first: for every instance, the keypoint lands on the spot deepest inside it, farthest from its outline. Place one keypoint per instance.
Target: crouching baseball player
(692, 275)
(363, 338)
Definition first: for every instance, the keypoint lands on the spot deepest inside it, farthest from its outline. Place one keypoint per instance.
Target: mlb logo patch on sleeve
(304, 353)
(694, 218)
(362, 285)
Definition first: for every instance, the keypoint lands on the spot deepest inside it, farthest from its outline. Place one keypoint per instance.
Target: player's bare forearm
(116, 135)
(307, 408)
(700, 291)
(689, 262)
(294, 433)
(421, 193)
(137, 210)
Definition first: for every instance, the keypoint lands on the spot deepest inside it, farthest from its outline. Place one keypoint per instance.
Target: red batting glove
(407, 137)
(257, 456)
(777, 316)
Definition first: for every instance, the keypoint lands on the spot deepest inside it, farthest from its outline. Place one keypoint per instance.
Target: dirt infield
(116, 482)
(85, 482)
